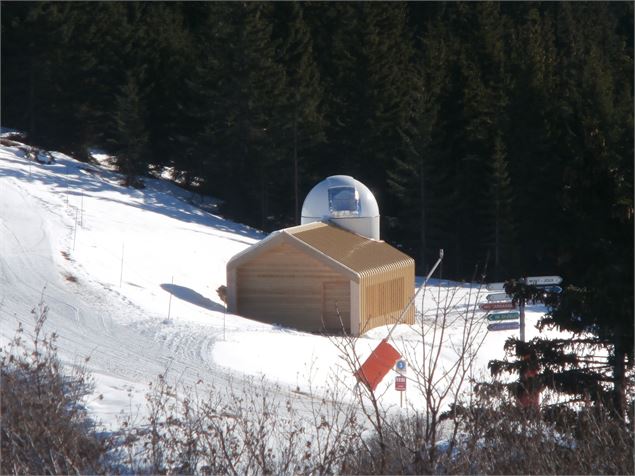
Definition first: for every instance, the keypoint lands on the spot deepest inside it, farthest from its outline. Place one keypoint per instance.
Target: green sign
(503, 316)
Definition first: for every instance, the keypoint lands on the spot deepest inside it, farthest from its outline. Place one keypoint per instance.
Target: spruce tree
(303, 111)
(244, 94)
(129, 137)
(499, 212)
(417, 175)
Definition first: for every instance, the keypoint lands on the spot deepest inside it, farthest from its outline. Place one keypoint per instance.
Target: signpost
(503, 326)
(498, 297)
(533, 280)
(497, 306)
(553, 289)
(401, 367)
(543, 280)
(503, 316)
(400, 386)
(495, 286)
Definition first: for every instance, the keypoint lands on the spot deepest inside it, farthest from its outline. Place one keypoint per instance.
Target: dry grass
(45, 428)
(257, 430)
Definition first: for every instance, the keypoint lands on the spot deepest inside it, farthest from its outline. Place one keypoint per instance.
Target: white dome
(344, 201)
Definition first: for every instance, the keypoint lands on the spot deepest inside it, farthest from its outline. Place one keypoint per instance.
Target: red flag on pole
(380, 361)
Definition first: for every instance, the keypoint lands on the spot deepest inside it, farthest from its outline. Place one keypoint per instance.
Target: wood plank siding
(284, 286)
(299, 276)
(336, 305)
(384, 296)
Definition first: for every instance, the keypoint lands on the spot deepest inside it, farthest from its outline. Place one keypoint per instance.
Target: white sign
(543, 280)
(496, 286)
(498, 297)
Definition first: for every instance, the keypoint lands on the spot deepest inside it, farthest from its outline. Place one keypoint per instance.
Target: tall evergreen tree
(304, 112)
(417, 175)
(129, 137)
(499, 213)
(245, 99)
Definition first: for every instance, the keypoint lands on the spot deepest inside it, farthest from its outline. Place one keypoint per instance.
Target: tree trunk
(296, 192)
(619, 376)
(422, 216)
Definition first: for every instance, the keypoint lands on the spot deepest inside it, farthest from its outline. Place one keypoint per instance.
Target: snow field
(130, 279)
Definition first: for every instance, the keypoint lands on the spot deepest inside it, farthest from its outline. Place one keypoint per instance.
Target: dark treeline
(501, 132)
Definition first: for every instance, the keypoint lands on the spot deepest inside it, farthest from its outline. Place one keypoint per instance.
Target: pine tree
(304, 112)
(169, 61)
(129, 138)
(417, 175)
(594, 248)
(244, 95)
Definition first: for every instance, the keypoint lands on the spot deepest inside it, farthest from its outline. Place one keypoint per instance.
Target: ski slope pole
(121, 269)
(170, 299)
(412, 300)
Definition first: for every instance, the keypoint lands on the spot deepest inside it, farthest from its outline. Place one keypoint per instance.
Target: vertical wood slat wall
(283, 280)
(384, 293)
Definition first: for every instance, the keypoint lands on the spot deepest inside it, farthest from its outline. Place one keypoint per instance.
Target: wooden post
(75, 229)
(121, 272)
(170, 300)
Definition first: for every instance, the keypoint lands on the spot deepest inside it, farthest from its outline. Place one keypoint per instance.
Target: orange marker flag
(380, 361)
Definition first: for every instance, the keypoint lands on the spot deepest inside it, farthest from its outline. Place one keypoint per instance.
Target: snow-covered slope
(130, 279)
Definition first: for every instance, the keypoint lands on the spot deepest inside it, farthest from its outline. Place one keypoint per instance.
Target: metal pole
(82, 212)
(416, 294)
(521, 308)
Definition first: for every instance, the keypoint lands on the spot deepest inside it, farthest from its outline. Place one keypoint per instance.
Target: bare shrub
(45, 427)
(249, 430)
(410, 444)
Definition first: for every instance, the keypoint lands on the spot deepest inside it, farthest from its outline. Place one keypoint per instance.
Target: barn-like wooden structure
(319, 277)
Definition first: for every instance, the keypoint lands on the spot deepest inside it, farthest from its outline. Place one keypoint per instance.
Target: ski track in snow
(91, 318)
(139, 256)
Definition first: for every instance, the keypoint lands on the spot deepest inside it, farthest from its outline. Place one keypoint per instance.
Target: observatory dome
(344, 201)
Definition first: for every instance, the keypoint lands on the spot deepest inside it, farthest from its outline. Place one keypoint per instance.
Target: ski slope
(130, 277)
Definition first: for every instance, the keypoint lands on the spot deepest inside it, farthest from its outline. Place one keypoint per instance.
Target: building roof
(353, 254)
(356, 252)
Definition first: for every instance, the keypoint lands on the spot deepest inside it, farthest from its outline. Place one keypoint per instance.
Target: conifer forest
(500, 132)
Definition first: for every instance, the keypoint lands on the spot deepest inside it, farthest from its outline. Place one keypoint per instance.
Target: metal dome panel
(344, 201)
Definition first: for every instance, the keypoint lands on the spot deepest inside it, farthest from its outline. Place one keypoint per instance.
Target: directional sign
(495, 286)
(503, 326)
(543, 280)
(400, 383)
(498, 297)
(552, 289)
(503, 316)
(497, 306)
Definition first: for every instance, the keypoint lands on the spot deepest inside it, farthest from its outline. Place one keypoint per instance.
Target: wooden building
(321, 278)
